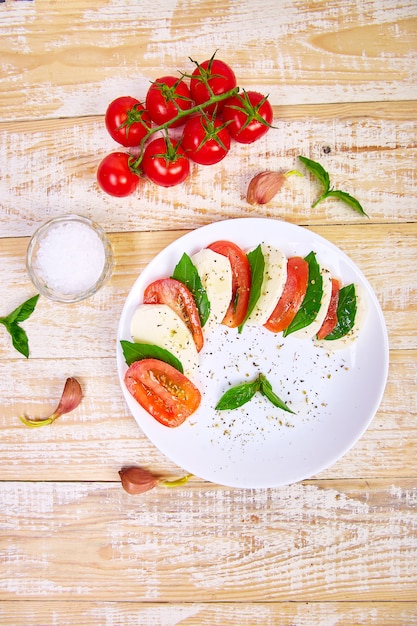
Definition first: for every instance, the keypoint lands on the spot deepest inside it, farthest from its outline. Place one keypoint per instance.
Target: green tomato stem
(134, 165)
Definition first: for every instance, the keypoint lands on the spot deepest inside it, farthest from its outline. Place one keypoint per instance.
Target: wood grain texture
(100, 436)
(361, 146)
(63, 613)
(371, 247)
(80, 340)
(340, 51)
(326, 540)
(75, 550)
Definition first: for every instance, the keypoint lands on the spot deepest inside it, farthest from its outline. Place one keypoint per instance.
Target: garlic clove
(264, 186)
(70, 399)
(137, 480)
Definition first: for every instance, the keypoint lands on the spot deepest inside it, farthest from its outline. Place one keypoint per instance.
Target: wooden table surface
(339, 548)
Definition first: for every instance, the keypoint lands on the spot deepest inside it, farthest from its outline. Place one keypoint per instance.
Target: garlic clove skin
(71, 397)
(137, 480)
(264, 186)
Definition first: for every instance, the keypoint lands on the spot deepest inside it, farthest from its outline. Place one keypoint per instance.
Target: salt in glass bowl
(69, 258)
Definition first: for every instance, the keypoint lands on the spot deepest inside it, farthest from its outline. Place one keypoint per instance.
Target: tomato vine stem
(198, 108)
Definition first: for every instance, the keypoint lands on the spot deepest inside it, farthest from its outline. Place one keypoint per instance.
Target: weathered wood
(362, 147)
(75, 548)
(300, 54)
(319, 540)
(384, 253)
(198, 614)
(100, 436)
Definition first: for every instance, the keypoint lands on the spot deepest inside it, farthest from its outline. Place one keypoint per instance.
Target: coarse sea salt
(70, 258)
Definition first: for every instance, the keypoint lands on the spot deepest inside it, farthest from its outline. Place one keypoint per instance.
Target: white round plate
(334, 394)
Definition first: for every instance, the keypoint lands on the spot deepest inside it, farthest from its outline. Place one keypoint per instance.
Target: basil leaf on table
(186, 272)
(11, 323)
(257, 266)
(347, 199)
(346, 313)
(318, 172)
(138, 351)
(310, 306)
(323, 177)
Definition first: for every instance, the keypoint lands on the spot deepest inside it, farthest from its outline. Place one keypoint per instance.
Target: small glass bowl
(69, 258)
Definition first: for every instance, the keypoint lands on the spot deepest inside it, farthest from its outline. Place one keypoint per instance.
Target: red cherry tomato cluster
(209, 108)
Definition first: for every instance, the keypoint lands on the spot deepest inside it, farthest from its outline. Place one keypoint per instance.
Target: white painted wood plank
(326, 540)
(299, 53)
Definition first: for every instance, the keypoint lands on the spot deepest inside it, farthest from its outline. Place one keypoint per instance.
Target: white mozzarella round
(216, 277)
(274, 279)
(312, 329)
(159, 325)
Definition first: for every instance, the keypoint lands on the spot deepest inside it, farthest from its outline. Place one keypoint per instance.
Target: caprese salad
(222, 284)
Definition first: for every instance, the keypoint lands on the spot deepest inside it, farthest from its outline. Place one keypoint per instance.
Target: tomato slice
(169, 396)
(291, 297)
(179, 298)
(241, 281)
(330, 321)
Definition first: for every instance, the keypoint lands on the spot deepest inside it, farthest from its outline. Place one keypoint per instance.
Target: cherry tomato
(115, 176)
(164, 162)
(205, 141)
(291, 297)
(249, 115)
(330, 320)
(165, 98)
(176, 295)
(127, 121)
(218, 75)
(169, 396)
(241, 281)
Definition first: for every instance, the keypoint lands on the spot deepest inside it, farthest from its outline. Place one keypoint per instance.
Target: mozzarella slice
(312, 329)
(352, 335)
(158, 324)
(216, 276)
(274, 279)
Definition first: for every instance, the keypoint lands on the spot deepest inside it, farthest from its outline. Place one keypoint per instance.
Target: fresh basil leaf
(11, 323)
(22, 312)
(267, 391)
(137, 351)
(186, 272)
(19, 339)
(318, 172)
(310, 306)
(347, 199)
(257, 267)
(346, 313)
(238, 396)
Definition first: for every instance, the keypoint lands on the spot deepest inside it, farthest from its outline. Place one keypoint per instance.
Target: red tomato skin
(176, 295)
(161, 170)
(116, 115)
(212, 150)
(160, 389)
(115, 177)
(330, 321)
(162, 109)
(221, 78)
(237, 119)
(241, 281)
(292, 296)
